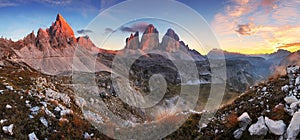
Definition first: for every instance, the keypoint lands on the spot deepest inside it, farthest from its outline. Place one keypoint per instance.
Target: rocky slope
(291, 59)
(268, 110)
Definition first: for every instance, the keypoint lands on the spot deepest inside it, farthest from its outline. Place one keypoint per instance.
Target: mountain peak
(171, 33)
(150, 29)
(59, 17)
(62, 27)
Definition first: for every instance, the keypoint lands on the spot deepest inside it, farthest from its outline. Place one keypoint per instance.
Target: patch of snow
(8, 129)
(275, 127)
(1, 91)
(32, 136)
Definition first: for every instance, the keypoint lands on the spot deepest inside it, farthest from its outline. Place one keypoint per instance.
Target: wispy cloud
(286, 46)
(108, 31)
(140, 27)
(83, 31)
(56, 2)
(5, 3)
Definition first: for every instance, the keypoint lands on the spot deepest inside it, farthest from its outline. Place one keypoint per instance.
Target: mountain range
(56, 50)
(45, 78)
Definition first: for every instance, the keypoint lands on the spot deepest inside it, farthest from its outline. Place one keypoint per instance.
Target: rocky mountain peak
(132, 42)
(150, 29)
(150, 38)
(171, 33)
(61, 26)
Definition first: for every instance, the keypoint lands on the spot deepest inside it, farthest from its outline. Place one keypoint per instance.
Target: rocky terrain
(268, 110)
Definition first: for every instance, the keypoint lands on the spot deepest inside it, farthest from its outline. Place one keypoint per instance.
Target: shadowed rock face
(133, 42)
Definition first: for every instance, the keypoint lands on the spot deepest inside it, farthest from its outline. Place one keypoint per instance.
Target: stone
(9, 88)
(258, 128)
(32, 136)
(35, 110)
(264, 89)
(3, 121)
(8, 106)
(290, 99)
(244, 120)
(238, 133)
(294, 105)
(8, 129)
(294, 127)
(297, 80)
(44, 121)
(275, 127)
(285, 88)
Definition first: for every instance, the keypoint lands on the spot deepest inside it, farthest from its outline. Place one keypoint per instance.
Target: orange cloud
(258, 25)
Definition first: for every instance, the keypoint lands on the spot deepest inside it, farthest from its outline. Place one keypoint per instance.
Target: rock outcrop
(133, 42)
(150, 38)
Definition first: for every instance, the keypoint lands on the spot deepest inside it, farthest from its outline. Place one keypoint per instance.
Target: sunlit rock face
(150, 38)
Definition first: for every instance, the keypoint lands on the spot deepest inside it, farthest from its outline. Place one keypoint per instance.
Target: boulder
(8, 129)
(275, 127)
(294, 127)
(244, 120)
(32, 136)
(258, 128)
(238, 133)
(290, 99)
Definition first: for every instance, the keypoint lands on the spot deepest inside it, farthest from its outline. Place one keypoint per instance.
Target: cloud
(265, 24)
(56, 2)
(83, 31)
(7, 4)
(246, 29)
(140, 27)
(286, 46)
(108, 31)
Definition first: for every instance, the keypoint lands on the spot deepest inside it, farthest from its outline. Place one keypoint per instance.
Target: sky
(244, 26)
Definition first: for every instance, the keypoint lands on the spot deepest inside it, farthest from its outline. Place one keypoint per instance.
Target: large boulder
(258, 128)
(244, 120)
(275, 127)
(294, 127)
